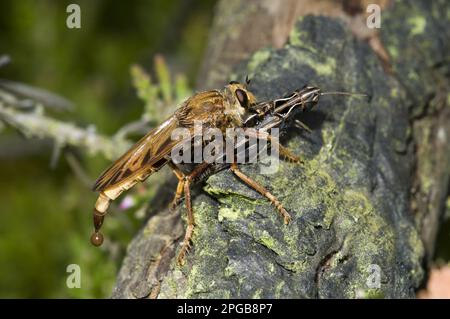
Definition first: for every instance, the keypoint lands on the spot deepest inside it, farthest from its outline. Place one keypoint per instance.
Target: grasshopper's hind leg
(260, 189)
(285, 152)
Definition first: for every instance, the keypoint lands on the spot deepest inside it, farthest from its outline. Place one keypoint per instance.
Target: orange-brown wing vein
(147, 155)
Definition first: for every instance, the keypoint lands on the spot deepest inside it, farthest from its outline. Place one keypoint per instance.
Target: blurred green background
(45, 213)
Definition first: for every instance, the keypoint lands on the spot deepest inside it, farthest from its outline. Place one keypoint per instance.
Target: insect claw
(181, 256)
(180, 260)
(287, 219)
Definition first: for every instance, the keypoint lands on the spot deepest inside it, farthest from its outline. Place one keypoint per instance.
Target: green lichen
(370, 294)
(278, 290)
(326, 68)
(170, 288)
(417, 23)
(367, 231)
(227, 213)
(257, 294)
(268, 241)
(200, 280)
(323, 65)
(258, 58)
(298, 37)
(417, 252)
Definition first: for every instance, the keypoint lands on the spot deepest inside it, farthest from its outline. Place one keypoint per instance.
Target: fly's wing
(153, 150)
(147, 155)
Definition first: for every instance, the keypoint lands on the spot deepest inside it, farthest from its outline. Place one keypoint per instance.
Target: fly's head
(238, 101)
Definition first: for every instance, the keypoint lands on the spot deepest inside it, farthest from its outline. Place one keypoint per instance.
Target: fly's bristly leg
(186, 245)
(262, 190)
(184, 187)
(178, 195)
(180, 187)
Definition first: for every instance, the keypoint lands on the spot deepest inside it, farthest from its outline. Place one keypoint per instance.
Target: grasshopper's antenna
(347, 94)
(344, 93)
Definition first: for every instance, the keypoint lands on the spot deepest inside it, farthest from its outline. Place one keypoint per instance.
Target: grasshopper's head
(305, 99)
(309, 97)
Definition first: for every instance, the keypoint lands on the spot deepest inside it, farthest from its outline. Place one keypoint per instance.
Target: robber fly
(232, 107)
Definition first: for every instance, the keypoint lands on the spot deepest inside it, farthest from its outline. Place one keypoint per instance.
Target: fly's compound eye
(242, 97)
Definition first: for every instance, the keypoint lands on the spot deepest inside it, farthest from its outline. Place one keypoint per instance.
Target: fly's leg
(184, 186)
(178, 195)
(285, 152)
(263, 191)
(180, 187)
(190, 223)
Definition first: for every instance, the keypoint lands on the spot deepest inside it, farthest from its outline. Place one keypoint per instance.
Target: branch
(35, 124)
(22, 107)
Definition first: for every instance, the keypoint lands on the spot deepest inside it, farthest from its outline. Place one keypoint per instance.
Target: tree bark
(370, 194)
